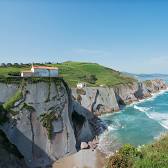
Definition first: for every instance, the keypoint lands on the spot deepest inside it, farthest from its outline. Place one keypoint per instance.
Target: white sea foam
(161, 118)
(108, 143)
(164, 124)
(154, 96)
(110, 114)
(112, 128)
(109, 140)
(142, 109)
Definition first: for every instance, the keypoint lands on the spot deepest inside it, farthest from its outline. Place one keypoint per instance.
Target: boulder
(84, 145)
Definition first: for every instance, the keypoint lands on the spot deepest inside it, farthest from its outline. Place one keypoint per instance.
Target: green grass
(74, 72)
(149, 156)
(148, 83)
(12, 100)
(47, 119)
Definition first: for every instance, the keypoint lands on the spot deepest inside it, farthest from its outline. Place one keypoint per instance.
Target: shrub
(116, 161)
(28, 107)
(79, 99)
(47, 119)
(91, 79)
(81, 91)
(124, 158)
(12, 100)
(14, 73)
(129, 150)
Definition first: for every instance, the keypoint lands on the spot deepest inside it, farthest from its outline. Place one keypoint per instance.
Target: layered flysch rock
(101, 100)
(43, 121)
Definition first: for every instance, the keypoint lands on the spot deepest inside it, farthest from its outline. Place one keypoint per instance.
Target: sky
(127, 35)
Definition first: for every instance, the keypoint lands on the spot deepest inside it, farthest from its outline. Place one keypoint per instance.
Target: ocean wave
(142, 109)
(154, 96)
(161, 118)
(103, 116)
(114, 127)
(108, 143)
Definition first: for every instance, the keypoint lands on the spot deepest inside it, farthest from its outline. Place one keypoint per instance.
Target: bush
(80, 91)
(116, 161)
(79, 99)
(14, 74)
(47, 119)
(12, 100)
(129, 150)
(89, 78)
(124, 158)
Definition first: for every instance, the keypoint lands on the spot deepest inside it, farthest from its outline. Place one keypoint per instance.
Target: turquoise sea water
(137, 124)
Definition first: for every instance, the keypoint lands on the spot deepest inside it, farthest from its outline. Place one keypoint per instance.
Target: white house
(81, 85)
(41, 71)
(26, 73)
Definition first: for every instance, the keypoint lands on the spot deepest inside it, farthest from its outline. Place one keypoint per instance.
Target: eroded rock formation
(101, 100)
(43, 121)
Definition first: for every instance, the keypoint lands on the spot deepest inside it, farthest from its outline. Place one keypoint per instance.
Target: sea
(137, 124)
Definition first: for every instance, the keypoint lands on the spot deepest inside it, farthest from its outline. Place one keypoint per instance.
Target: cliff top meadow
(73, 72)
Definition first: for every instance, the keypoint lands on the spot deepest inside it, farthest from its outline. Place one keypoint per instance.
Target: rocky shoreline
(46, 124)
(101, 100)
(135, 93)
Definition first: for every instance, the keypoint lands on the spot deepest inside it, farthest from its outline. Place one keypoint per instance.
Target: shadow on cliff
(34, 156)
(139, 93)
(120, 101)
(86, 125)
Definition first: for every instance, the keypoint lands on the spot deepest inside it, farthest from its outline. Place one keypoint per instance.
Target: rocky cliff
(45, 122)
(42, 121)
(101, 100)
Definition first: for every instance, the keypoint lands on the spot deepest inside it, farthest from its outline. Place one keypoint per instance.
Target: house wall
(54, 72)
(26, 74)
(81, 85)
(45, 72)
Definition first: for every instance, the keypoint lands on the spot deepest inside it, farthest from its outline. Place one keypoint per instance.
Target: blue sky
(127, 35)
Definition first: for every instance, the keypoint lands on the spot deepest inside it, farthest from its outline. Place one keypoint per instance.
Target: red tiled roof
(44, 67)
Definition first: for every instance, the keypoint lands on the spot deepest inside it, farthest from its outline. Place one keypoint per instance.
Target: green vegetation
(12, 100)
(28, 107)
(47, 119)
(73, 72)
(91, 73)
(148, 83)
(89, 78)
(80, 91)
(149, 156)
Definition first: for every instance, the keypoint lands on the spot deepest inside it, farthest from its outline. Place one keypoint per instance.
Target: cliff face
(43, 121)
(9, 155)
(97, 99)
(101, 100)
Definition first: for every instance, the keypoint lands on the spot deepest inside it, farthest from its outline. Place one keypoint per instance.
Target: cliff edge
(41, 120)
(100, 100)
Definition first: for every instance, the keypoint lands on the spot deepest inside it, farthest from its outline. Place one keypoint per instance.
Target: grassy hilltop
(73, 72)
